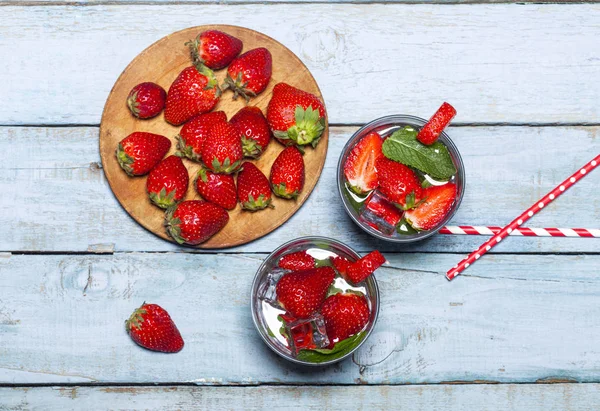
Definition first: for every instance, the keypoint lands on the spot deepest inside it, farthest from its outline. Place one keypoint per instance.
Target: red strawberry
(146, 100)
(193, 133)
(345, 315)
(298, 261)
(214, 49)
(359, 167)
(193, 92)
(302, 292)
(222, 151)
(295, 116)
(249, 74)
(436, 124)
(341, 264)
(152, 327)
(431, 212)
(255, 131)
(364, 267)
(167, 183)
(140, 152)
(398, 183)
(194, 221)
(287, 173)
(253, 190)
(383, 209)
(216, 188)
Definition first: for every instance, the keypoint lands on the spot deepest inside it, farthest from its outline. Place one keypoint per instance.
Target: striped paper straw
(522, 231)
(517, 222)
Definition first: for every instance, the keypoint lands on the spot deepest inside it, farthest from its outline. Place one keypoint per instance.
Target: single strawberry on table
(140, 152)
(301, 293)
(146, 100)
(436, 124)
(193, 133)
(438, 201)
(214, 49)
(287, 173)
(151, 327)
(222, 150)
(398, 183)
(254, 129)
(193, 222)
(359, 167)
(253, 189)
(216, 188)
(297, 261)
(168, 182)
(249, 74)
(194, 91)
(362, 268)
(295, 116)
(345, 315)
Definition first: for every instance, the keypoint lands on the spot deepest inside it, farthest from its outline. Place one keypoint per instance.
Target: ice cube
(307, 334)
(267, 289)
(380, 213)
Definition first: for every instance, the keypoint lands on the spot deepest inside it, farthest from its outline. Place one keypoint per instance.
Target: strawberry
(301, 293)
(216, 188)
(222, 151)
(340, 263)
(255, 131)
(146, 100)
(193, 92)
(249, 74)
(398, 183)
(359, 167)
(298, 261)
(364, 267)
(193, 133)
(345, 315)
(214, 49)
(194, 221)
(140, 152)
(253, 190)
(436, 124)
(287, 173)
(151, 327)
(295, 116)
(383, 209)
(431, 212)
(167, 183)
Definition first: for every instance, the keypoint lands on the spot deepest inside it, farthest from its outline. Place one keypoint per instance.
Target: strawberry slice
(340, 264)
(364, 267)
(436, 124)
(383, 209)
(359, 167)
(297, 261)
(432, 211)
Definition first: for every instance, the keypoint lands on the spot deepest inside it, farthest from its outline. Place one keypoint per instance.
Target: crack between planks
(287, 2)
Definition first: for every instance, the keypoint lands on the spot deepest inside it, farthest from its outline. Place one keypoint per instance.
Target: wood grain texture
(511, 318)
(56, 198)
(502, 63)
(554, 397)
(162, 62)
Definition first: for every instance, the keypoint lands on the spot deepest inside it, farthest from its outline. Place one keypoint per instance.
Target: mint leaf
(403, 147)
(339, 350)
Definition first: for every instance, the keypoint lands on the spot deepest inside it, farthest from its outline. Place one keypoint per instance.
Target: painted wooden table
(518, 330)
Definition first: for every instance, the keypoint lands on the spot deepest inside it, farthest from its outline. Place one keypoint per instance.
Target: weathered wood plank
(240, 2)
(512, 318)
(55, 197)
(548, 397)
(500, 63)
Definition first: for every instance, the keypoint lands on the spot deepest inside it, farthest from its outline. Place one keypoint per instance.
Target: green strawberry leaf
(403, 227)
(339, 350)
(403, 147)
(323, 263)
(333, 290)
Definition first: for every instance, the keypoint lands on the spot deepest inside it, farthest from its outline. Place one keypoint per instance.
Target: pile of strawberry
(294, 117)
(307, 289)
(406, 197)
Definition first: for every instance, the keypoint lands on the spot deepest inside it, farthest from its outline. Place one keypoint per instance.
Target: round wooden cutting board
(161, 63)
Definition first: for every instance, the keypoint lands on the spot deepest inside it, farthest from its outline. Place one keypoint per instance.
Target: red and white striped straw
(522, 231)
(517, 222)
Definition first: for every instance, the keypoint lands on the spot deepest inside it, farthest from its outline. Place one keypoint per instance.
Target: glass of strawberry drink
(315, 301)
(401, 178)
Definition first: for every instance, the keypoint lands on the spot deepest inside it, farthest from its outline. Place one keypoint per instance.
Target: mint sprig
(402, 146)
(339, 350)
